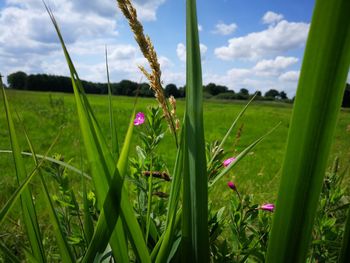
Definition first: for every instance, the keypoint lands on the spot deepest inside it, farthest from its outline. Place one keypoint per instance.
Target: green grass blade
(66, 253)
(163, 248)
(195, 241)
(99, 156)
(28, 209)
(8, 254)
(240, 157)
(316, 107)
(344, 255)
(234, 123)
(88, 223)
(105, 224)
(47, 158)
(112, 126)
(12, 200)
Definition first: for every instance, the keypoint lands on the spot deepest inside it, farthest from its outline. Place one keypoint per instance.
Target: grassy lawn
(43, 114)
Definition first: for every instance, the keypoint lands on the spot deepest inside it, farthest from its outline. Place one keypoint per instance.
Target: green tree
(171, 89)
(272, 93)
(17, 80)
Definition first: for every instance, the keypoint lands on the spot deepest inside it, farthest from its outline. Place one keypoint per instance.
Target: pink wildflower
(228, 161)
(267, 207)
(139, 119)
(231, 185)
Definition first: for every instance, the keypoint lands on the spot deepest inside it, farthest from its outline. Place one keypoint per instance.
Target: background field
(44, 113)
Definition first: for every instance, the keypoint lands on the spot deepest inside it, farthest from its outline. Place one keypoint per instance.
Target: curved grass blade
(12, 200)
(66, 253)
(105, 224)
(240, 156)
(316, 107)
(163, 247)
(112, 126)
(47, 158)
(8, 254)
(344, 255)
(230, 130)
(28, 208)
(195, 240)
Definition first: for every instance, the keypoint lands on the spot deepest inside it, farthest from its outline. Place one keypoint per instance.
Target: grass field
(44, 113)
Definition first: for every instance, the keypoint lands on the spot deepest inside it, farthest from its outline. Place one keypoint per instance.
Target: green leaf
(195, 240)
(28, 209)
(66, 253)
(53, 160)
(8, 253)
(316, 107)
(345, 249)
(114, 136)
(103, 168)
(240, 157)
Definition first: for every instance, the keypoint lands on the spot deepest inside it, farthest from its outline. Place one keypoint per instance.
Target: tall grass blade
(318, 99)
(106, 224)
(195, 241)
(88, 223)
(103, 167)
(240, 157)
(344, 255)
(28, 208)
(66, 253)
(234, 123)
(53, 160)
(9, 256)
(163, 246)
(112, 126)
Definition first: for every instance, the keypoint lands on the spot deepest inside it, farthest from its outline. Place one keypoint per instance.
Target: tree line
(44, 82)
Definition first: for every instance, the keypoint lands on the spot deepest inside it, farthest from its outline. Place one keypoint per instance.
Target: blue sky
(252, 44)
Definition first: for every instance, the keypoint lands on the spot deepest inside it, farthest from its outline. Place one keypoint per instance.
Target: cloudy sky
(252, 44)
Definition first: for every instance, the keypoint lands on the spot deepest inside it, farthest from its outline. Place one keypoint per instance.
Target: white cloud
(147, 9)
(276, 39)
(271, 17)
(181, 51)
(200, 27)
(272, 67)
(225, 29)
(290, 76)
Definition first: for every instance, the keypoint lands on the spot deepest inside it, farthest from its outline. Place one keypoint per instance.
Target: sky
(251, 44)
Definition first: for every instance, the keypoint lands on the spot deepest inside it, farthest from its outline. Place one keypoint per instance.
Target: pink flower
(267, 207)
(139, 119)
(228, 161)
(231, 185)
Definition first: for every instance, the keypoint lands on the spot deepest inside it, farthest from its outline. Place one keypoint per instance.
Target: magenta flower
(139, 119)
(231, 185)
(267, 207)
(228, 161)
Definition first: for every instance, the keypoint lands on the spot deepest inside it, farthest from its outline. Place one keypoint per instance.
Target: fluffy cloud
(225, 29)
(271, 17)
(271, 67)
(290, 76)
(276, 39)
(181, 51)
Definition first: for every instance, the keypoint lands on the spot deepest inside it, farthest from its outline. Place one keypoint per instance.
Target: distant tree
(145, 90)
(272, 93)
(171, 89)
(214, 89)
(346, 97)
(258, 93)
(17, 80)
(283, 95)
(244, 91)
(243, 94)
(182, 91)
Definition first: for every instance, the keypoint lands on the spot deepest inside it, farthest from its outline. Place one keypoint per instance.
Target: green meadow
(47, 114)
